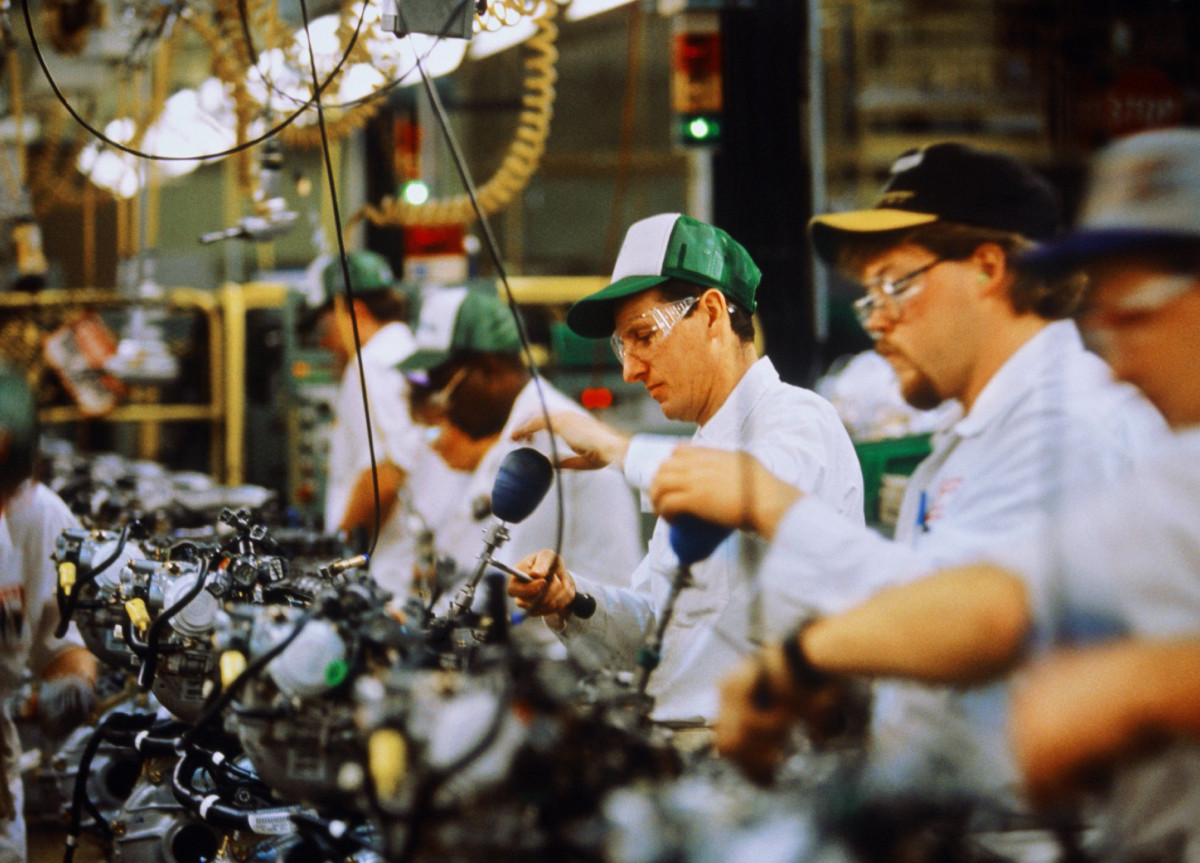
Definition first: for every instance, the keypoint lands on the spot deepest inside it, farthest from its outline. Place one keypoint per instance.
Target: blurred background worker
(1122, 563)
(678, 312)
(415, 487)
(31, 519)
(958, 316)
(469, 381)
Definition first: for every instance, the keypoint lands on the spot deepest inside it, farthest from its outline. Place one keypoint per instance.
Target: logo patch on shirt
(945, 492)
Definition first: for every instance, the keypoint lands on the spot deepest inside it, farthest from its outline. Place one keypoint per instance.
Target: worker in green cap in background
(415, 486)
(31, 519)
(469, 380)
(678, 313)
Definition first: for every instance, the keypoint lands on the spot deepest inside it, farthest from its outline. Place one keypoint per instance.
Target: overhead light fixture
(580, 9)
(398, 55)
(489, 42)
(109, 168)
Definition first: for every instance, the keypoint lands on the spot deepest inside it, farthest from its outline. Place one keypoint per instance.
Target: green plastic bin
(898, 455)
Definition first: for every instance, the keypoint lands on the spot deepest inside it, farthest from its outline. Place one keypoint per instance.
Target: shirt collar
(726, 423)
(391, 344)
(1012, 382)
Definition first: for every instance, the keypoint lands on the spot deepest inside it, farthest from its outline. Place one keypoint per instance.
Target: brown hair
(385, 306)
(1048, 297)
(484, 387)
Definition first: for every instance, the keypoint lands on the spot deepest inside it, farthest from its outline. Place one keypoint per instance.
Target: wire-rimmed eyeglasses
(888, 294)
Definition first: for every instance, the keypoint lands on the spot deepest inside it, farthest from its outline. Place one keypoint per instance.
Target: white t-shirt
(29, 526)
(600, 527)
(431, 486)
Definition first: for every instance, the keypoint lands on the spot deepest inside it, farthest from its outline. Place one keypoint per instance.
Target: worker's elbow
(1003, 618)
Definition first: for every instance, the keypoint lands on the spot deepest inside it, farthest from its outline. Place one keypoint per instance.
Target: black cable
(251, 51)
(68, 602)
(207, 806)
(223, 700)
(378, 93)
(341, 242)
(150, 660)
(79, 795)
(96, 133)
(336, 839)
(423, 808)
(494, 251)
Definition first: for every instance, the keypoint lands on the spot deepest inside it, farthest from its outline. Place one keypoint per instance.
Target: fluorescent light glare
(580, 9)
(487, 43)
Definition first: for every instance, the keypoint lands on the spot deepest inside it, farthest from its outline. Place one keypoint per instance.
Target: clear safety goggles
(639, 337)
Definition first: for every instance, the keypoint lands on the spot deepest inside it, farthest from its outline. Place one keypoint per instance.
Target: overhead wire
(493, 248)
(345, 266)
(314, 101)
(246, 145)
(520, 161)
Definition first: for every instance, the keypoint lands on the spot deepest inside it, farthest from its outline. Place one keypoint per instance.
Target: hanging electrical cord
(494, 251)
(349, 289)
(246, 145)
(520, 162)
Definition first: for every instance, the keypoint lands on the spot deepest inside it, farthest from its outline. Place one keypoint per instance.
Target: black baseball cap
(949, 182)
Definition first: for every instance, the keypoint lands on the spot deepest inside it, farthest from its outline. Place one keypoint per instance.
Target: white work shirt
(430, 487)
(1051, 419)
(29, 526)
(798, 436)
(600, 527)
(1126, 563)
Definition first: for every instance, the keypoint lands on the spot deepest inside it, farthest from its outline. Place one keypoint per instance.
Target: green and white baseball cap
(369, 271)
(460, 319)
(664, 247)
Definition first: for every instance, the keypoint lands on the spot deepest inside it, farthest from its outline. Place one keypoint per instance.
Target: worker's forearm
(1164, 681)
(360, 508)
(77, 661)
(957, 626)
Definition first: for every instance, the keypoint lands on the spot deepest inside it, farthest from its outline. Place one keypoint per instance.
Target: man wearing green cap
(31, 519)
(468, 379)
(407, 470)
(678, 313)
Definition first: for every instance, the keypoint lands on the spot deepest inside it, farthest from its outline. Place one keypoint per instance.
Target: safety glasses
(1150, 296)
(639, 338)
(888, 295)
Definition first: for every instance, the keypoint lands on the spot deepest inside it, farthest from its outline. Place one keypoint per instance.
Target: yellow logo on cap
(897, 197)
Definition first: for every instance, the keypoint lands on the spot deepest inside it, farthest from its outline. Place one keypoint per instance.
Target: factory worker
(958, 316)
(415, 486)
(678, 312)
(1119, 565)
(469, 380)
(31, 518)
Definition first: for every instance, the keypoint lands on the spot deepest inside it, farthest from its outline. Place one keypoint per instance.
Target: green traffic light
(416, 193)
(699, 129)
